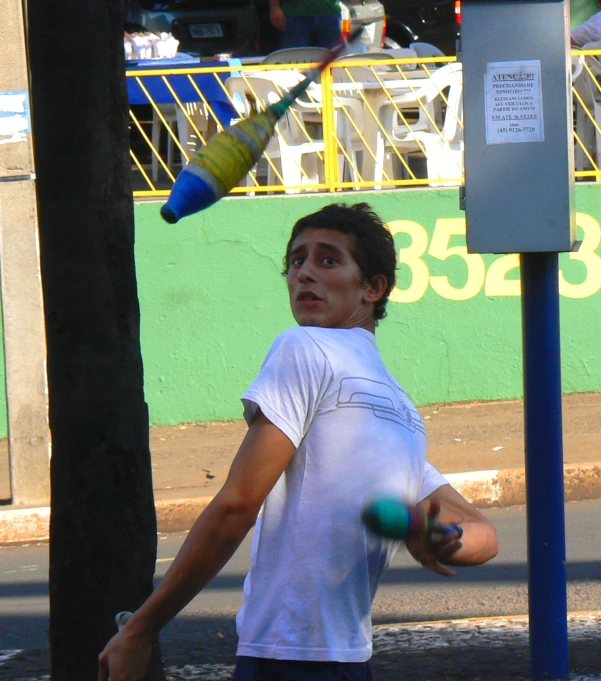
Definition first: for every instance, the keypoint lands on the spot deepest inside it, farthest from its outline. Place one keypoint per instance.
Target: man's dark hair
(373, 247)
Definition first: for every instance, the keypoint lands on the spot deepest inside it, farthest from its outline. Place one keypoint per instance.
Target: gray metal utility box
(519, 168)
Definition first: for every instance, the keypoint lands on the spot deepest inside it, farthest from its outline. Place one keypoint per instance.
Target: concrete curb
(485, 489)
(507, 487)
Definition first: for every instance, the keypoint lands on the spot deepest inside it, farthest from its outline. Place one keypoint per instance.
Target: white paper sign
(14, 117)
(513, 102)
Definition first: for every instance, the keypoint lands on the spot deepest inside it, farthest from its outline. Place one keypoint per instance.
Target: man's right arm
(262, 458)
(276, 15)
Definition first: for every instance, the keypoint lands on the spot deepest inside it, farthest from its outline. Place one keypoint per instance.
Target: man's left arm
(477, 545)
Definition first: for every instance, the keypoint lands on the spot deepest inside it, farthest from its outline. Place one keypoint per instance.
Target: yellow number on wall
(411, 256)
(440, 249)
(586, 255)
(496, 283)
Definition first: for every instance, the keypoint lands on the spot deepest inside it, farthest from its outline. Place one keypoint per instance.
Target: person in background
(306, 23)
(589, 31)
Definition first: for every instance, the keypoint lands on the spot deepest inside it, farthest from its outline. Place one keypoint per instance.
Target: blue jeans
(262, 669)
(320, 31)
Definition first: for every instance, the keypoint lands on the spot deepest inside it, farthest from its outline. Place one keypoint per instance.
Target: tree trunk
(103, 536)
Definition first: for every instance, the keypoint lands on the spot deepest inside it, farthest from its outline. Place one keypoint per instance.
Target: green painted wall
(581, 10)
(213, 299)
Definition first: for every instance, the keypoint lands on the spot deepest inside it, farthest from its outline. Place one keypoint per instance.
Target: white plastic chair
(169, 113)
(349, 105)
(364, 86)
(177, 120)
(426, 50)
(577, 68)
(297, 154)
(441, 138)
(377, 55)
(296, 55)
(399, 53)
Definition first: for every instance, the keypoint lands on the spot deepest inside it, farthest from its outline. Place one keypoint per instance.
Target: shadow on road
(485, 574)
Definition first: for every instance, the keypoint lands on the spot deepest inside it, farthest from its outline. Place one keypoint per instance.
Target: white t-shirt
(314, 567)
(588, 32)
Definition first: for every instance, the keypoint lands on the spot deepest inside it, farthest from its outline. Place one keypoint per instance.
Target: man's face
(325, 283)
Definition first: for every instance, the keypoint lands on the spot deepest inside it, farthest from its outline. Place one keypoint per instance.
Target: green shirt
(310, 8)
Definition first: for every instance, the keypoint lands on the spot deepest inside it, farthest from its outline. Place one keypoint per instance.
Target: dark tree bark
(103, 525)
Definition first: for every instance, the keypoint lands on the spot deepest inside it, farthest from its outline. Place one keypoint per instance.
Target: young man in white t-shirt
(329, 427)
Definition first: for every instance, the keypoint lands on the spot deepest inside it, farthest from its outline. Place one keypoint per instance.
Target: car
(354, 13)
(204, 28)
(430, 21)
(239, 28)
(369, 14)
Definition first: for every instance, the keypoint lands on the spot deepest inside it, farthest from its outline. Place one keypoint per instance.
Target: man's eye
(297, 262)
(329, 260)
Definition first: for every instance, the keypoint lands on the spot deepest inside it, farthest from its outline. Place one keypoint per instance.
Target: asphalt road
(205, 633)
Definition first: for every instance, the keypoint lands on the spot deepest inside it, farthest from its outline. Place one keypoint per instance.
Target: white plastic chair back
(237, 90)
(426, 50)
(263, 92)
(296, 55)
(577, 68)
(401, 53)
(348, 74)
(449, 76)
(445, 148)
(440, 137)
(452, 130)
(291, 145)
(376, 55)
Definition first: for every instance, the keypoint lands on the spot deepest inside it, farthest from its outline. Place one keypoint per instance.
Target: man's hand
(125, 658)
(478, 543)
(278, 18)
(432, 551)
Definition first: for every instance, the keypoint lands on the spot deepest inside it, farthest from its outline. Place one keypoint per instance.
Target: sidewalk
(478, 446)
(474, 649)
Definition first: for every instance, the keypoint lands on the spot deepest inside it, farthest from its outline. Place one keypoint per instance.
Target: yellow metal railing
(368, 123)
(587, 113)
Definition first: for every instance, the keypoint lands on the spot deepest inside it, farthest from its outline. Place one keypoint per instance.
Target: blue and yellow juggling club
(220, 165)
(390, 518)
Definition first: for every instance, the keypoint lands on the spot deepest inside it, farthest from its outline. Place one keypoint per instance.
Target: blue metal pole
(547, 593)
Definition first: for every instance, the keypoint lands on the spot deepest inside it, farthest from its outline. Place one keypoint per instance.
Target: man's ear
(375, 288)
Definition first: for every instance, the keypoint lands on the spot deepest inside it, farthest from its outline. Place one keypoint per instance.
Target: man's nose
(305, 272)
